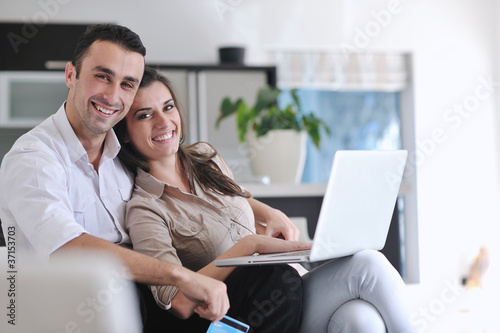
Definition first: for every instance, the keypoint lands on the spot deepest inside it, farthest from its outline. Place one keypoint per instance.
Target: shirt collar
(149, 183)
(111, 145)
(75, 147)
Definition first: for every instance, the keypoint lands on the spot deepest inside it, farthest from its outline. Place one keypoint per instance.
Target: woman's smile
(164, 137)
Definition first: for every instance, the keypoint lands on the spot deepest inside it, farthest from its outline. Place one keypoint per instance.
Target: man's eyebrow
(110, 72)
(131, 79)
(105, 70)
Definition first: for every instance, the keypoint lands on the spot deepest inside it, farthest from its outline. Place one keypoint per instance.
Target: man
(67, 190)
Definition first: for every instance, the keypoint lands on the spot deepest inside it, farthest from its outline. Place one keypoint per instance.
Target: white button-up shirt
(51, 194)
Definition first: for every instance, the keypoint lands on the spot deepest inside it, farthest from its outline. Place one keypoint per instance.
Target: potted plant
(276, 137)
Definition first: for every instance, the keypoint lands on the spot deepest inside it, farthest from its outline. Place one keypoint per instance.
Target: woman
(187, 209)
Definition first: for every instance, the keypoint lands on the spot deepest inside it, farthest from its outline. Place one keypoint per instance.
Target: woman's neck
(169, 170)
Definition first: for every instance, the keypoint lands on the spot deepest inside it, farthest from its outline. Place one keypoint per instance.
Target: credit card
(228, 325)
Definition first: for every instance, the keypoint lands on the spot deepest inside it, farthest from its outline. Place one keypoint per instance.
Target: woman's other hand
(273, 222)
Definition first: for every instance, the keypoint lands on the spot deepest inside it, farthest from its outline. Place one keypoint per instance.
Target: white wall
(454, 47)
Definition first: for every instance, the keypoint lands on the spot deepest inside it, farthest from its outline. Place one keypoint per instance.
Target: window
(357, 120)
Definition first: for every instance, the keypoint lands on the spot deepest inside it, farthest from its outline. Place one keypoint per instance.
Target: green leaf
(226, 109)
(296, 99)
(313, 125)
(243, 117)
(265, 98)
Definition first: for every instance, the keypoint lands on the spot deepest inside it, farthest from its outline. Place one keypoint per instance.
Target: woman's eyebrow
(142, 109)
(147, 108)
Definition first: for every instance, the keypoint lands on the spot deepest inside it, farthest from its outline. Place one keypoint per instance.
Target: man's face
(105, 89)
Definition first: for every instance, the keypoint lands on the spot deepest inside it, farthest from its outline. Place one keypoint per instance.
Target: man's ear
(70, 73)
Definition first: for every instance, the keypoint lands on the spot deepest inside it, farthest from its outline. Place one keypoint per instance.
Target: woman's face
(154, 123)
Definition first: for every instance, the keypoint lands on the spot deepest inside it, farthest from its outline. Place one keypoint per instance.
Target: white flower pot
(280, 154)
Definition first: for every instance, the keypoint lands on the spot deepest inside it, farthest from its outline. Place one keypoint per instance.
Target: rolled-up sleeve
(150, 235)
(39, 179)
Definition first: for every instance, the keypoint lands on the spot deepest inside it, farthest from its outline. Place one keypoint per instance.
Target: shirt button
(193, 229)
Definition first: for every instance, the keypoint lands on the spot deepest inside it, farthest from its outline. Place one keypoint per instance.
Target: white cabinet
(29, 97)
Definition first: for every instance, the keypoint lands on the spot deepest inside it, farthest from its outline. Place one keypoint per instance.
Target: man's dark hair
(118, 34)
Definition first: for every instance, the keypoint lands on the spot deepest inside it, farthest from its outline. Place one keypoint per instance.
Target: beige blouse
(182, 228)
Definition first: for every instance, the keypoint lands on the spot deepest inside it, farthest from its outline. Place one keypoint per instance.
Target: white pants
(359, 293)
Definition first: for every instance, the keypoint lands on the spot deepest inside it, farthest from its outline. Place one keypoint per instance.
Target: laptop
(356, 211)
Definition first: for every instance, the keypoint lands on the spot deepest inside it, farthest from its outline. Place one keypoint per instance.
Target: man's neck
(94, 151)
(95, 155)
(91, 142)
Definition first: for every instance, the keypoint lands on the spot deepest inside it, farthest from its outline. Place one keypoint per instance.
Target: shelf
(345, 86)
(300, 190)
(281, 191)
